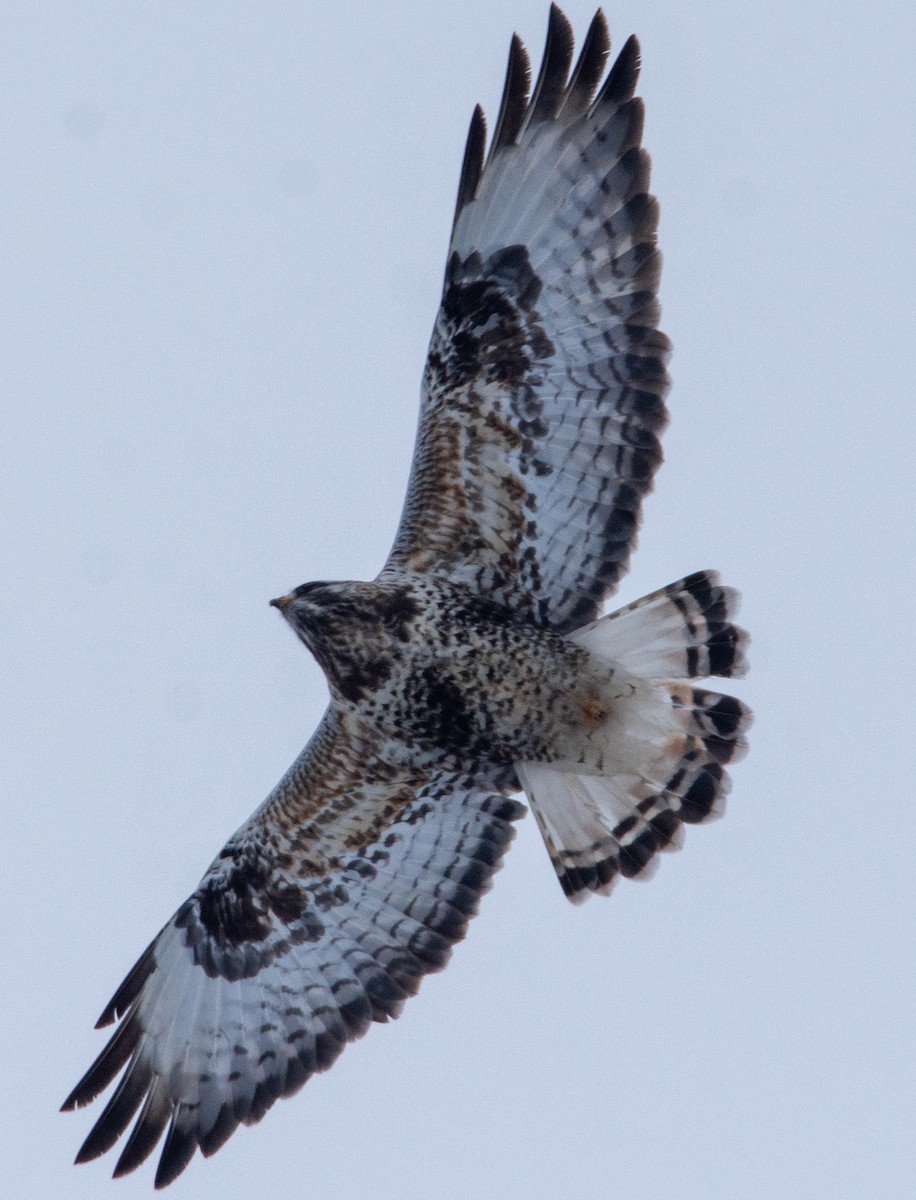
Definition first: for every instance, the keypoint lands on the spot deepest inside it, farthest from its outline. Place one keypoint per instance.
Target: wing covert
(284, 953)
(543, 393)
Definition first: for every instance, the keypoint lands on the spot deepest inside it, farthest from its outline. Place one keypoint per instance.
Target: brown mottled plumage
(477, 663)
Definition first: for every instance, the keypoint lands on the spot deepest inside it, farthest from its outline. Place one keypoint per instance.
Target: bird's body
(478, 662)
(449, 679)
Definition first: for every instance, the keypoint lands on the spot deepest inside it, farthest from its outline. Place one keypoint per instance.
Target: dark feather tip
(472, 165)
(551, 82)
(589, 69)
(623, 75)
(514, 99)
(176, 1153)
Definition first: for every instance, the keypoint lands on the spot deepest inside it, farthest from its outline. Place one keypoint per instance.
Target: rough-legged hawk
(477, 664)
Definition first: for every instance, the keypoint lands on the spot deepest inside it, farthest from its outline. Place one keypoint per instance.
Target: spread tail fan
(663, 745)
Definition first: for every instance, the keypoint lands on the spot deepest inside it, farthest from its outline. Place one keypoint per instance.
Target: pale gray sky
(224, 227)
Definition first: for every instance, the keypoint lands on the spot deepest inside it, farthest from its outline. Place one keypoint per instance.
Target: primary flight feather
(477, 664)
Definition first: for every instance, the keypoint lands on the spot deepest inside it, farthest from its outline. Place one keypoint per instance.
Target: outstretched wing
(320, 915)
(543, 394)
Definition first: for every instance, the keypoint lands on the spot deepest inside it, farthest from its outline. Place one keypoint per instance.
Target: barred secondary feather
(477, 663)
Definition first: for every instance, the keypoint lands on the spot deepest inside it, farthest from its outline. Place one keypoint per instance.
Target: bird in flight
(477, 664)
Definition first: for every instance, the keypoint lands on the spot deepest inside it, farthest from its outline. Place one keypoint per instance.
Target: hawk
(477, 664)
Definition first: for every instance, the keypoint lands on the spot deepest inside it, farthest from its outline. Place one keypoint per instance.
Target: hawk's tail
(662, 744)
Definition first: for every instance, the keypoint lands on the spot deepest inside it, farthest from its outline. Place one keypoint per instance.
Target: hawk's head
(354, 630)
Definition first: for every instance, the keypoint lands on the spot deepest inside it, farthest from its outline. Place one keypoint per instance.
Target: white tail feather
(656, 759)
(683, 631)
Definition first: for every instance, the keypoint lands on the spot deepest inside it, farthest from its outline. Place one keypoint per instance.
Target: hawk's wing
(320, 915)
(543, 394)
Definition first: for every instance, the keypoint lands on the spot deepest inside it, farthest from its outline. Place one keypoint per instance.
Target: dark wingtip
(222, 1129)
(556, 93)
(177, 1152)
(471, 167)
(551, 82)
(514, 101)
(130, 988)
(623, 75)
(106, 1066)
(148, 1130)
(589, 68)
(89, 1151)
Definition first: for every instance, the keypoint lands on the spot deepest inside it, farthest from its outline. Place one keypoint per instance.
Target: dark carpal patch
(493, 331)
(229, 922)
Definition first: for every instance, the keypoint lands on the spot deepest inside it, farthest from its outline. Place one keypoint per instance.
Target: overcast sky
(223, 232)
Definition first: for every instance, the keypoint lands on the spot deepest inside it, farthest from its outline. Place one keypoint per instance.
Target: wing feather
(543, 394)
(472, 164)
(287, 950)
(589, 68)
(550, 87)
(514, 100)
